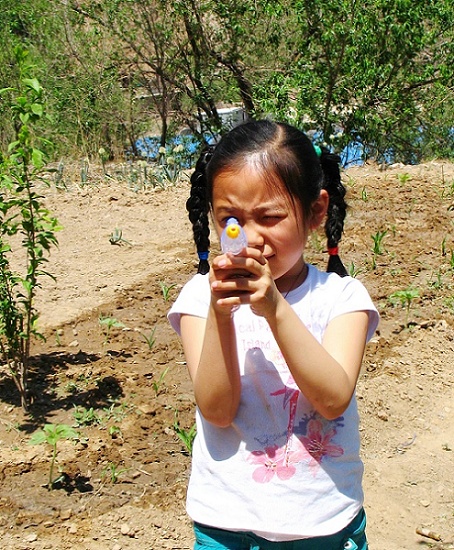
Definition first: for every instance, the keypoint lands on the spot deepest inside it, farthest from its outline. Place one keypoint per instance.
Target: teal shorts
(353, 537)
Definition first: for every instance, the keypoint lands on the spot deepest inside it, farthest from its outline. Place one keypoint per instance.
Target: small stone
(32, 537)
(48, 524)
(425, 503)
(66, 514)
(125, 529)
(72, 529)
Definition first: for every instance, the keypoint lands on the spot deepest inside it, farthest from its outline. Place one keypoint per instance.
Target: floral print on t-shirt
(310, 442)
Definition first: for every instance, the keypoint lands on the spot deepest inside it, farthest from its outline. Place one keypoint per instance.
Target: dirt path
(124, 481)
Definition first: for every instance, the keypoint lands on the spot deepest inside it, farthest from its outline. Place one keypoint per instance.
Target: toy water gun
(233, 237)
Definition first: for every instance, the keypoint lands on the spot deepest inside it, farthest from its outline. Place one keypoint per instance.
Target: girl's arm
(325, 373)
(210, 350)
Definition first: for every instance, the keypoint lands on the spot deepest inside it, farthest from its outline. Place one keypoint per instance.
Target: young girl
(274, 349)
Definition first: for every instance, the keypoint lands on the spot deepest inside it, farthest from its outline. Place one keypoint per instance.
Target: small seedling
(186, 436)
(403, 178)
(157, 384)
(353, 271)
(107, 324)
(58, 177)
(52, 434)
(115, 432)
(405, 299)
(150, 339)
(86, 417)
(438, 282)
(113, 471)
(166, 290)
(364, 195)
(103, 157)
(117, 411)
(84, 167)
(378, 242)
(116, 237)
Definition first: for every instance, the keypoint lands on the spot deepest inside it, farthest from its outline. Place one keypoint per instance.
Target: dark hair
(283, 152)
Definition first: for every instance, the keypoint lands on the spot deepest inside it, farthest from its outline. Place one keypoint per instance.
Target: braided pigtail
(337, 208)
(197, 206)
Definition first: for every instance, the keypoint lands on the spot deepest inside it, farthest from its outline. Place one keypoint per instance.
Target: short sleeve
(355, 297)
(194, 299)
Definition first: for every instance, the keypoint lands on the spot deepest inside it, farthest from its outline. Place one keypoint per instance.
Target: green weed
(404, 298)
(150, 338)
(378, 242)
(186, 436)
(86, 417)
(353, 271)
(107, 324)
(403, 178)
(166, 290)
(116, 237)
(113, 471)
(158, 384)
(52, 434)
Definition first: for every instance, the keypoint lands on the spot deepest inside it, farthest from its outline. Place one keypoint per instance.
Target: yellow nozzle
(232, 231)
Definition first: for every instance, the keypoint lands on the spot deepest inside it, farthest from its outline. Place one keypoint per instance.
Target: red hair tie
(333, 251)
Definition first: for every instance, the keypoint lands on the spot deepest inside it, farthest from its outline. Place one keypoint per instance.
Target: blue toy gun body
(233, 237)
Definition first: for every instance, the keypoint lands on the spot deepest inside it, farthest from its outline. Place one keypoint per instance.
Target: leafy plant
(150, 338)
(403, 178)
(113, 471)
(157, 384)
(84, 167)
(107, 324)
(186, 436)
(52, 434)
(378, 242)
(116, 237)
(404, 298)
(114, 432)
(86, 417)
(103, 157)
(117, 411)
(22, 212)
(166, 290)
(353, 271)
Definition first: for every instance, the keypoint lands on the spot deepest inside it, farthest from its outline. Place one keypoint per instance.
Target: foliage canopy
(378, 73)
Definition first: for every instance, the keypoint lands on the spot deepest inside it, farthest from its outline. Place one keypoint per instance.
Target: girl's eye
(273, 217)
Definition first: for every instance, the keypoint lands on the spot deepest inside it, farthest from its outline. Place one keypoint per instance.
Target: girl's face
(273, 224)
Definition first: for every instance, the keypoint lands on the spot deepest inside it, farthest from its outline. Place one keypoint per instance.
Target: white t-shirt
(280, 470)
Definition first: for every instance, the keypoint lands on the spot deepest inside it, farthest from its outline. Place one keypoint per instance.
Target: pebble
(66, 514)
(125, 529)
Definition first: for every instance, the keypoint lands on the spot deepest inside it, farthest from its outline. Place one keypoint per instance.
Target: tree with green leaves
(22, 213)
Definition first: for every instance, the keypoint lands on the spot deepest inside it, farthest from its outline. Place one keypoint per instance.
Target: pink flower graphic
(273, 461)
(317, 444)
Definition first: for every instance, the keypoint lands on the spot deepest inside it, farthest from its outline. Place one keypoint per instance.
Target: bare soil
(122, 483)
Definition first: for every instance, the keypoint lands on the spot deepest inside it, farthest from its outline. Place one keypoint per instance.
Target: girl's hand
(243, 279)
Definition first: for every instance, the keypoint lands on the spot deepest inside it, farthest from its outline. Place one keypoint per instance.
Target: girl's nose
(254, 236)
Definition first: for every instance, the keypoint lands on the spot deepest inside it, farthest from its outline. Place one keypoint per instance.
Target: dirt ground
(123, 480)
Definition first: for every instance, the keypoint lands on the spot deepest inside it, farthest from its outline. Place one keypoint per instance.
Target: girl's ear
(319, 209)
